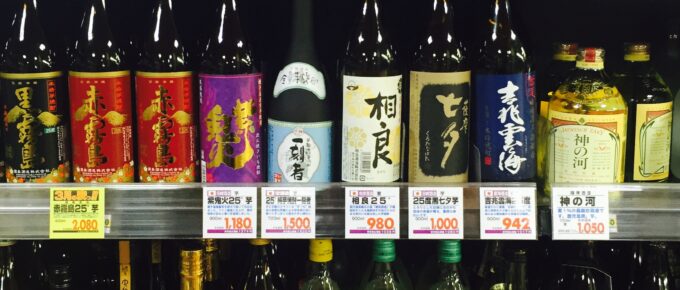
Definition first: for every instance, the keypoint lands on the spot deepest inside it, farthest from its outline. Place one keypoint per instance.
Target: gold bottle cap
(637, 52)
(591, 58)
(320, 251)
(259, 242)
(210, 245)
(565, 51)
(191, 262)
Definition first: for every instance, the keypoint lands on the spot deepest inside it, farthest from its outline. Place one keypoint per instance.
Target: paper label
(303, 76)
(288, 213)
(580, 214)
(229, 212)
(77, 213)
(372, 213)
(653, 127)
(435, 213)
(507, 213)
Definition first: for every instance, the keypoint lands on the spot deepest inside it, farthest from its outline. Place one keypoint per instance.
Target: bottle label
(101, 126)
(231, 123)
(300, 152)
(165, 127)
(653, 127)
(371, 129)
(439, 126)
(505, 126)
(156, 252)
(299, 75)
(586, 148)
(36, 118)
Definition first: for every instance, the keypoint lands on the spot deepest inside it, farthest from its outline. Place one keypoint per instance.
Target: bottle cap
(210, 245)
(320, 251)
(259, 242)
(192, 262)
(449, 251)
(384, 251)
(637, 52)
(565, 51)
(591, 58)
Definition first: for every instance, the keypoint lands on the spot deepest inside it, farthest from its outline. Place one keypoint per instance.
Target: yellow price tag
(77, 213)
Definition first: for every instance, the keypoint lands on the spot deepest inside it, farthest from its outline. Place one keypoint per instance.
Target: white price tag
(288, 212)
(435, 213)
(372, 213)
(580, 213)
(507, 213)
(229, 212)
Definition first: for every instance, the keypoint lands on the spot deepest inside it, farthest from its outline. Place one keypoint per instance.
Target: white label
(507, 213)
(288, 212)
(229, 212)
(580, 213)
(299, 75)
(372, 213)
(298, 156)
(371, 129)
(435, 213)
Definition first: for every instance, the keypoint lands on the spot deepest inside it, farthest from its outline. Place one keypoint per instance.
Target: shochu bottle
(300, 121)
(372, 99)
(230, 104)
(440, 104)
(165, 104)
(101, 104)
(34, 96)
(504, 104)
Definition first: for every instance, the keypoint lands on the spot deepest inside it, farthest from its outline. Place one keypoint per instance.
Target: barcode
(365, 162)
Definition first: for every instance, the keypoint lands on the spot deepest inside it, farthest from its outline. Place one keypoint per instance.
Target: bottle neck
(212, 266)
(6, 262)
(518, 276)
(441, 25)
(320, 269)
(163, 50)
(450, 271)
(302, 40)
(369, 26)
(227, 51)
(26, 50)
(96, 50)
(502, 23)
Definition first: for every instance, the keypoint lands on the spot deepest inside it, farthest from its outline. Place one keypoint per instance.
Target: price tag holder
(77, 213)
(507, 213)
(580, 213)
(288, 212)
(372, 213)
(229, 212)
(435, 213)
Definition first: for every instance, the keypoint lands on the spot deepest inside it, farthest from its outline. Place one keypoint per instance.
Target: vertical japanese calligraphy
(166, 131)
(371, 133)
(35, 122)
(101, 110)
(231, 121)
(439, 127)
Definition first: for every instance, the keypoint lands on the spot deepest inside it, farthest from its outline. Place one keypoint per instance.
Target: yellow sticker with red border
(77, 213)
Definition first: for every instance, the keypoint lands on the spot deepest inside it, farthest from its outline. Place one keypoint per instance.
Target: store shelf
(167, 211)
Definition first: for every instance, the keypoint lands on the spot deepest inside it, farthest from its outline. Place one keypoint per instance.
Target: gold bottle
(191, 273)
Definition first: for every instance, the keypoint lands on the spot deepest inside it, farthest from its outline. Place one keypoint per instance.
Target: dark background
(606, 23)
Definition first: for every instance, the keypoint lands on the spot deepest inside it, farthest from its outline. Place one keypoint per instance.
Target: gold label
(653, 126)
(439, 126)
(542, 133)
(598, 65)
(125, 269)
(586, 148)
(564, 57)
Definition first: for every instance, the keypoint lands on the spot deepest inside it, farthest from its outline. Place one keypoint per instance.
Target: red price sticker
(580, 213)
(288, 212)
(507, 213)
(229, 212)
(435, 212)
(372, 212)
(77, 213)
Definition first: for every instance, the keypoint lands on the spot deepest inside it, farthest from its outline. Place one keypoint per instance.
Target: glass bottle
(439, 103)
(517, 272)
(587, 117)
(650, 269)
(452, 275)
(581, 272)
(320, 257)
(300, 118)
(650, 105)
(492, 271)
(213, 277)
(157, 274)
(8, 279)
(105, 268)
(31, 270)
(505, 104)
(668, 63)
(191, 268)
(60, 267)
(563, 62)
(261, 273)
(101, 103)
(33, 91)
(372, 103)
(230, 104)
(383, 273)
(165, 104)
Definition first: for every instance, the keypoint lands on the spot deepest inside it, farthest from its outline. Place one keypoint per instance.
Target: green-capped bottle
(383, 274)
(451, 277)
(320, 256)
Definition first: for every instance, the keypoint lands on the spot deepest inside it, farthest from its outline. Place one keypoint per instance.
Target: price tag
(580, 213)
(288, 213)
(77, 213)
(507, 213)
(435, 213)
(372, 213)
(229, 212)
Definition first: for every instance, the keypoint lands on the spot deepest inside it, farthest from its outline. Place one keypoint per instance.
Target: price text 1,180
(238, 223)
